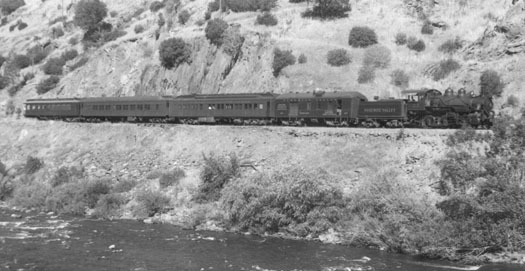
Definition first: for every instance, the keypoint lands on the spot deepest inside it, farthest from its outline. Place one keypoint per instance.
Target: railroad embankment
(364, 187)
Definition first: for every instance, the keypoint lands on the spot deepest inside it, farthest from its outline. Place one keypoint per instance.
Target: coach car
(137, 108)
(52, 108)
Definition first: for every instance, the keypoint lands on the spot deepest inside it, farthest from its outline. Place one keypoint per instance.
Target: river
(37, 241)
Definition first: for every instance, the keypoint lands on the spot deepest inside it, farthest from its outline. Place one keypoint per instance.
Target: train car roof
(322, 94)
(423, 91)
(226, 96)
(52, 100)
(125, 99)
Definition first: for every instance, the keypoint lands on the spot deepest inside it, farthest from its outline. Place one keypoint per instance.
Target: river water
(47, 242)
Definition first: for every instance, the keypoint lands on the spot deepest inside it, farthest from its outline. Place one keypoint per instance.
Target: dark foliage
(445, 68)
(37, 54)
(338, 57)
(184, 16)
(47, 84)
(362, 36)
(214, 30)
(2, 60)
(171, 178)
(89, 13)
(9, 6)
(401, 38)
(216, 173)
(328, 9)
(490, 84)
(513, 101)
(21, 61)
(366, 74)
(22, 25)
(81, 62)
(69, 55)
(54, 66)
(400, 78)
(4, 82)
(302, 59)
(451, 46)
(249, 5)
(33, 164)
(156, 6)
(427, 28)
(151, 203)
(173, 52)
(57, 32)
(281, 59)
(267, 19)
(417, 46)
(13, 90)
(139, 29)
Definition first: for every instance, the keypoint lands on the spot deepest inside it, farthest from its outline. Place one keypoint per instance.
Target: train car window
(254, 106)
(139, 107)
(261, 106)
(119, 107)
(108, 107)
(147, 107)
(281, 106)
(201, 106)
(157, 106)
(125, 107)
(94, 107)
(308, 106)
(132, 107)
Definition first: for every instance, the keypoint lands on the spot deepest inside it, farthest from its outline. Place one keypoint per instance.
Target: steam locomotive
(427, 108)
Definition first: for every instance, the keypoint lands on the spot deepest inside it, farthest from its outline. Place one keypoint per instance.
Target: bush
(57, 32)
(362, 36)
(328, 9)
(81, 62)
(151, 203)
(139, 29)
(377, 56)
(302, 59)
(249, 5)
(32, 195)
(89, 13)
(65, 175)
(4, 82)
(338, 57)
(69, 55)
(427, 28)
(113, 35)
(73, 41)
(214, 31)
(10, 108)
(9, 6)
(113, 13)
(184, 16)
(401, 38)
(513, 101)
(173, 52)
(267, 19)
(297, 201)
(37, 53)
(32, 165)
(124, 186)
(281, 59)
(445, 68)
(490, 84)
(108, 206)
(94, 190)
(2, 60)
(22, 25)
(156, 6)
(366, 74)
(47, 84)
(216, 173)
(399, 78)
(3, 169)
(68, 198)
(21, 61)
(451, 46)
(6, 188)
(232, 42)
(14, 89)
(171, 178)
(418, 46)
(161, 21)
(54, 66)
(214, 6)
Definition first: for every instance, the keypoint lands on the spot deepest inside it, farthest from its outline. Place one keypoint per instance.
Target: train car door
(294, 109)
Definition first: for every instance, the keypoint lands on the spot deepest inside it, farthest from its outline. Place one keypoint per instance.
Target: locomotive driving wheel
(427, 121)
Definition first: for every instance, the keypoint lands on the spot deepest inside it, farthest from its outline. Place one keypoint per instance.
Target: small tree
(47, 84)
(328, 9)
(21, 61)
(267, 19)
(366, 74)
(302, 59)
(89, 13)
(418, 46)
(54, 66)
(281, 59)
(377, 56)
(156, 6)
(232, 41)
(400, 78)
(451, 46)
(401, 38)
(445, 68)
(69, 55)
(362, 36)
(9, 6)
(184, 16)
(490, 84)
(173, 52)
(4, 82)
(427, 28)
(139, 29)
(214, 30)
(338, 57)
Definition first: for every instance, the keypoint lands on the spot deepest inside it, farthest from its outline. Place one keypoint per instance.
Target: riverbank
(358, 187)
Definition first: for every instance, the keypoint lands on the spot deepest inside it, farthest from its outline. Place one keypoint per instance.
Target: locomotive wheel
(444, 121)
(427, 121)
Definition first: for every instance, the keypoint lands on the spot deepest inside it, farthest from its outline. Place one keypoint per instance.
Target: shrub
(427, 28)
(21, 61)
(490, 84)
(54, 66)
(161, 21)
(338, 57)
(108, 206)
(156, 6)
(81, 62)
(232, 42)
(207, 16)
(184, 16)
(362, 36)
(58, 19)
(65, 175)
(281, 59)
(89, 13)
(3, 21)
(3, 169)
(173, 52)
(151, 203)
(57, 32)
(22, 25)
(214, 6)
(2, 60)
(28, 76)
(32, 195)
(302, 59)
(377, 56)
(73, 41)
(13, 90)
(10, 107)
(298, 201)
(451, 46)
(216, 173)
(214, 31)
(249, 5)
(47, 84)
(366, 74)
(113, 13)
(267, 19)
(171, 178)
(37, 54)
(418, 46)
(113, 35)
(328, 9)
(4, 82)
(9, 6)
(94, 190)
(68, 198)
(32, 165)
(401, 38)
(513, 101)
(69, 55)
(139, 29)
(445, 68)
(399, 78)
(6, 188)
(124, 186)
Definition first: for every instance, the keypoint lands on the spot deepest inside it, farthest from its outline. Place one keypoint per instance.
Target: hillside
(491, 34)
